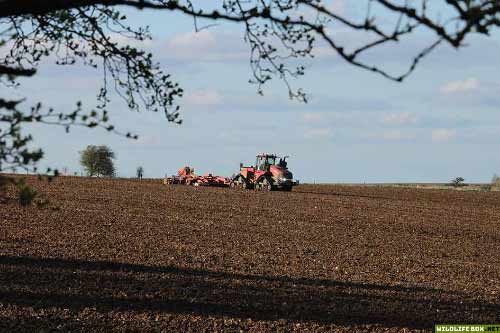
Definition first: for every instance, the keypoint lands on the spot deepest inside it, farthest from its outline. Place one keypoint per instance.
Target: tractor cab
(264, 162)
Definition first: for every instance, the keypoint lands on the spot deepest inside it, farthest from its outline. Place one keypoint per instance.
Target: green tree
(495, 181)
(457, 182)
(279, 33)
(98, 161)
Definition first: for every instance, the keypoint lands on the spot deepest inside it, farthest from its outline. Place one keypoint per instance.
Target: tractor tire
(235, 183)
(239, 183)
(268, 186)
(264, 185)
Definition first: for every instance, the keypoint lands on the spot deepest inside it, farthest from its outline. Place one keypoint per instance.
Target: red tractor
(269, 174)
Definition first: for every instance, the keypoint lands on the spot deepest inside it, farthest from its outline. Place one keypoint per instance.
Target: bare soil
(139, 255)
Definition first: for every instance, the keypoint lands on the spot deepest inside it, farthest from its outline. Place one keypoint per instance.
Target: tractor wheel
(239, 182)
(235, 183)
(268, 186)
(265, 185)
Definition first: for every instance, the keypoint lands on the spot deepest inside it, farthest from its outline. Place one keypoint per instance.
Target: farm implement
(187, 176)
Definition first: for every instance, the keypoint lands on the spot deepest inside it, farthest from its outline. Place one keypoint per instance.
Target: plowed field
(138, 255)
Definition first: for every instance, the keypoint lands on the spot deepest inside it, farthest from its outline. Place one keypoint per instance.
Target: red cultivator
(210, 180)
(187, 176)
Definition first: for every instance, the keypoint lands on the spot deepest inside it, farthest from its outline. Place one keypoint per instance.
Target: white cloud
(124, 40)
(403, 118)
(338, 7)
(206, 45)
(442, 135)
(317, 133)
(312, 117)
(148, 140)
(324, 52)
(466, 85)
(203, 98)
(194, 40)
(394, 135)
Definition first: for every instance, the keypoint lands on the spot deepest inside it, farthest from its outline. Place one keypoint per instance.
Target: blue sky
(442, 122)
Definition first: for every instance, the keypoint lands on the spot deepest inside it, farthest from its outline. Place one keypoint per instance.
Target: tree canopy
(98, 161)
(279, 34)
